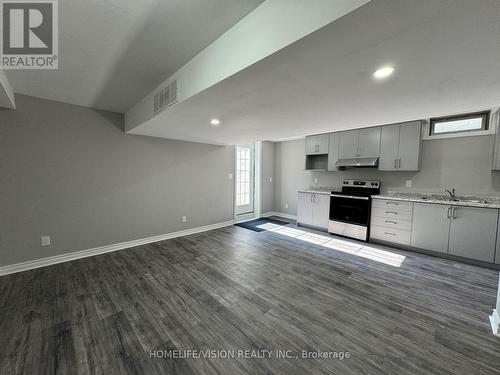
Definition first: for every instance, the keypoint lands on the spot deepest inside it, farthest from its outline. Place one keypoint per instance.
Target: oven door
(350, 209)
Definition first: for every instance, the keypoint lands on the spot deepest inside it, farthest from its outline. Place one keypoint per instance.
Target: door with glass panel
(244, 180)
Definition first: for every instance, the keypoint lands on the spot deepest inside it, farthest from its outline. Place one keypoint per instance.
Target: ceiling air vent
(165, 98)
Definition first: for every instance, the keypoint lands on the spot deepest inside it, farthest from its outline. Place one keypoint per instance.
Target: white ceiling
(446, 52)
(113, 52)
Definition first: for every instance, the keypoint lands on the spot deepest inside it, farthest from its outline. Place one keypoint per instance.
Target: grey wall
(268, 177)
(461, 163)
(71, 173)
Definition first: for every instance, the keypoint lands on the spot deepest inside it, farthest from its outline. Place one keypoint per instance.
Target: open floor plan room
(231, 289)
(249, 187)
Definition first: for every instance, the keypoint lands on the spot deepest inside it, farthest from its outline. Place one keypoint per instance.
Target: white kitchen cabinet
(389, 148)
(333, 151)
(363, 143)
(369, 143)
(473, 233)
(391, 221)
(400, 147)
(317, 144)
(321, 210)
(496, 146)
(304, 209)
(431, 227)
(349, 142)
(313, 209)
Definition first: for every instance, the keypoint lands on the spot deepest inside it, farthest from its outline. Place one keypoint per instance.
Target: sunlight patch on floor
(269, 226)
(345, 246)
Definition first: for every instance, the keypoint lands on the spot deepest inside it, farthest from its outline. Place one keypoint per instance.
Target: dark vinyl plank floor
(235, 289)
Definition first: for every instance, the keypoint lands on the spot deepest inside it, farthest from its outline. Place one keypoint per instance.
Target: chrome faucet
(453, 196)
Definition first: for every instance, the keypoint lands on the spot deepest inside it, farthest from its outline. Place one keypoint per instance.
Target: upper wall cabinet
(363, 143)
(400, 147)
(333, 151)
(496, 150)
(317, 144)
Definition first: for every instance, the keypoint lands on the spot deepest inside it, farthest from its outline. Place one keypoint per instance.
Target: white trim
(245, 217)
(495, 322)
(276, 213)
(43, 262)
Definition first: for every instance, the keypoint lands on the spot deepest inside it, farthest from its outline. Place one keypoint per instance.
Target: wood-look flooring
(233, 288)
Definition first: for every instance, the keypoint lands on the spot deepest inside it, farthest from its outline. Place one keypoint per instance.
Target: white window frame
(473, 133)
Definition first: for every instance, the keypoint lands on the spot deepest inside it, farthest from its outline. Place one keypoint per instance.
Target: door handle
(399, 163)
(453, 213)
(448, 216)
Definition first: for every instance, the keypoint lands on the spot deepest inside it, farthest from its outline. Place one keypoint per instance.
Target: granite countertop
(318, 190)
(435, 198)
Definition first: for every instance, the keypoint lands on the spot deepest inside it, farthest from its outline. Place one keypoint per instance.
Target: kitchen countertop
(463, 200)
(318, 190)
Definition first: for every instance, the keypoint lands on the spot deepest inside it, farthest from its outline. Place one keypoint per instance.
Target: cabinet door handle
(453, 216)
(389, 234)
(394, 203)
(395, 163)
(449, 213)
(391, 212)
(391, 222)
(399, 163)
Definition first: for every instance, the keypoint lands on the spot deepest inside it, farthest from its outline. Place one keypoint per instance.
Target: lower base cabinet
(313, 209)
(468, 232)
(431, 227)
(473, 233)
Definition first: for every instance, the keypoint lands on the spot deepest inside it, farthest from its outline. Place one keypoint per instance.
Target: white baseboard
(495, 322)
(43, 262)
(276, 213)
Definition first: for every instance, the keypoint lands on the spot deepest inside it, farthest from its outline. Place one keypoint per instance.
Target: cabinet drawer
(397, 205)
(391, 213)
(391, 223)
(398, 236)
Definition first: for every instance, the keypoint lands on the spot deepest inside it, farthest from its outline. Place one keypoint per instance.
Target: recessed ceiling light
(383, 72)
(215, 122)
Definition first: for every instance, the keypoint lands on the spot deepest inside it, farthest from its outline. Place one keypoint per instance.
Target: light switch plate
(230, 176)
(45, 240)
(286, 205)
(184, 219)
(408, 183)
(316, 180)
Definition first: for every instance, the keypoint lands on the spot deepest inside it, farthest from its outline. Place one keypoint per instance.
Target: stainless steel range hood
(357, 163)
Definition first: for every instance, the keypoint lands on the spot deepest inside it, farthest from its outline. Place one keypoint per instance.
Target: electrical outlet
(286, 205)
(270, 179)
(316, 180)
(408, 183)
(184, 219)
(45, 240)
(230, 176)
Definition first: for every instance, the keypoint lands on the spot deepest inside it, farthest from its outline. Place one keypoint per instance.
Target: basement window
(470, 122)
